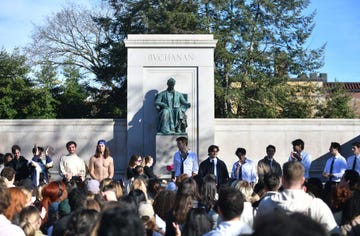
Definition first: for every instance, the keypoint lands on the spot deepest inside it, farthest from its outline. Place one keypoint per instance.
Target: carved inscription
(168, 57)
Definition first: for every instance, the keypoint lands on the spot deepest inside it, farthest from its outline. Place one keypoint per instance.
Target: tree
(261, 44)
(336, 102)
(74, 95)
(73, 33)
(14, 85)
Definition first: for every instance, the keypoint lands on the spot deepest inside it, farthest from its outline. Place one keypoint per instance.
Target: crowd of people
(263, 198)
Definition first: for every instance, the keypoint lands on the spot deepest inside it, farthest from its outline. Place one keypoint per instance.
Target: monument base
(165, 149)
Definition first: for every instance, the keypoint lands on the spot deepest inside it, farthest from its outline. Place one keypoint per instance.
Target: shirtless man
(101, 165)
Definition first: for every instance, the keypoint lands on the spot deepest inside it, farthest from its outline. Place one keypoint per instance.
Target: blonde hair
(30, 220)
(246, 190)
(139, 183)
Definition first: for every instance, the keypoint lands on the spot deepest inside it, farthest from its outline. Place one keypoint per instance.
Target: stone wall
(252, 134)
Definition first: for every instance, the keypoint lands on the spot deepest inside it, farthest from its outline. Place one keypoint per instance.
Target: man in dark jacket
(213, 165)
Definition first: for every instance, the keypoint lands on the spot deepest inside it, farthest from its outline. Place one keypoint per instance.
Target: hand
(296, 156)
(68, 176)
(47, 151)
(177, 229)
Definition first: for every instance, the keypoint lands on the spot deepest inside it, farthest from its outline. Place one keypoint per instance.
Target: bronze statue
(172, 106)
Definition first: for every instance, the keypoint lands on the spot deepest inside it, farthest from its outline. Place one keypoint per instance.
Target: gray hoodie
(290, 201)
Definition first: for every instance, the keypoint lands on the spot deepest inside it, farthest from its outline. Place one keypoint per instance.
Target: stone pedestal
(165, 149)
(152, 60)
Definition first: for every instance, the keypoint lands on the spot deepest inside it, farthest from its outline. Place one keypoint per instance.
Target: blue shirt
(230, 228)
(339, 167)
(350, 162)
(191, 164)
(248, 171)
(306, 161)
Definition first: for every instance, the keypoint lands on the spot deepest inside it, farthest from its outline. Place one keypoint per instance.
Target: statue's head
(171, 82)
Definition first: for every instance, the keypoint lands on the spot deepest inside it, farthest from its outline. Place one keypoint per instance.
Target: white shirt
(72, 164)
(191, 164)
(9, 229)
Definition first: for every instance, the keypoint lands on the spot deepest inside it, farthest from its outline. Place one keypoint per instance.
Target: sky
(337, 24)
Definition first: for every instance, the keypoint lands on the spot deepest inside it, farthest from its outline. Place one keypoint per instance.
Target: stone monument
(152, 61)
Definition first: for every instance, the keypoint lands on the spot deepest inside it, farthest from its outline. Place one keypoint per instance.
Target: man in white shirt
(185, 160)
(72, 165)
(294, 199)
(298, 154)
(244, 169)
(230, 206)
(353, 162)
(336, 165)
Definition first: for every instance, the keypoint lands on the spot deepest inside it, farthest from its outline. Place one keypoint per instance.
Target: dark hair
(182, 139)
(8, 173)
(138, 196)
(298, 142)
(133, 160)
(41, 149)
(77, 199)
(81, 223)
(356, 144)
(14, 148)
(6, 155)
(197, 222)
(212, 147)
(352, 176)
(70, 143)
(163, 201)
(231, 203)
(351, 208)
(240, 151)
(154, 186)
(271, 182)
(208, 191)
(120, 221)
(106, 152)
(271, 146)
(336, 146)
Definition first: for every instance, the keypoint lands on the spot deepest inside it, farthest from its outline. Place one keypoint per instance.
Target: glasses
(139, 160)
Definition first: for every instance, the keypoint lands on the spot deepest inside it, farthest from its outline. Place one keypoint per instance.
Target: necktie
(331, 168)
(354, 164)
(271, 166)
(240, 172)
(183, 158)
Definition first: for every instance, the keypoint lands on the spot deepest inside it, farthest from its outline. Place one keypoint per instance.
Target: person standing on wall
(298, 154)
(71, 165)
(213, 165)
(353, 162)
(185, 160)
(244, 169)
(19, 163)
(268, 165)
(335, 166)
(101, 165)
